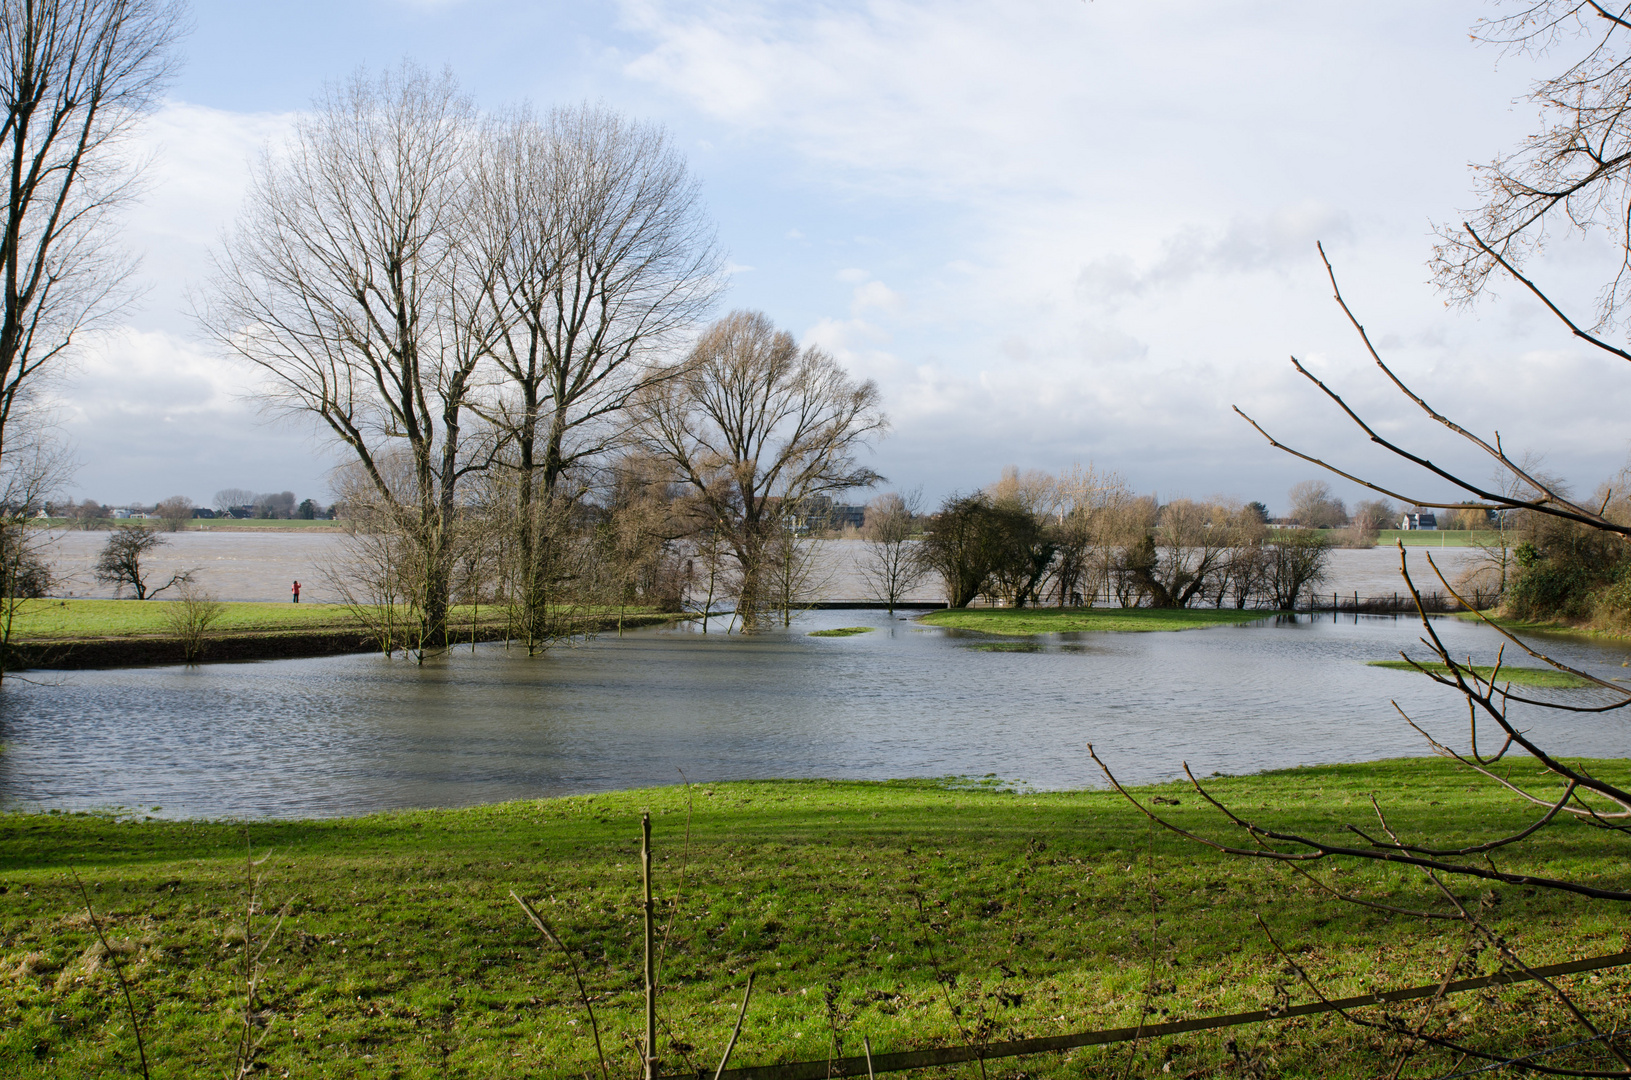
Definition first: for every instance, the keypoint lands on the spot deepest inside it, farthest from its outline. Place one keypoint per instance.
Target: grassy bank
(123, 633)
(49, 620)
(1025, 621)
(1517, 676)
(913, 913)
(56, 620)
(1555, 627)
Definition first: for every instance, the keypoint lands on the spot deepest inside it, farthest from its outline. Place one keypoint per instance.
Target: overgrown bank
(912, 913)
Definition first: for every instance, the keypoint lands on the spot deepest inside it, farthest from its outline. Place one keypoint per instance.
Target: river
(263, 566)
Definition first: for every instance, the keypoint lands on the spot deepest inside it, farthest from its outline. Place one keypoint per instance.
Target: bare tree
(120, 562)
(228, 500)
(274, 504)
(350, 283)
(34, 470)
(175, 512)
(75, 76)
(794, 572)
(1298, 560)
(754, 426)
(1314, 506)
(1571, 176)
(1558, 792)
(190, 617)
(891, 563)
(1081, 510)
(1183, 552)
(1373, 515)
(601, 254)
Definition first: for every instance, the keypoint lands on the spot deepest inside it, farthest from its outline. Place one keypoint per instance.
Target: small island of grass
(843, 631)
(1021, 622)
(1517, 676)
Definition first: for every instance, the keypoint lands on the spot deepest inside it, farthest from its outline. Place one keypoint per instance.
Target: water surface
(347, 735)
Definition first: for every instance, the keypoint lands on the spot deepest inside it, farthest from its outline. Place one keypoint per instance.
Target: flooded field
(262, 566)
(353, 734)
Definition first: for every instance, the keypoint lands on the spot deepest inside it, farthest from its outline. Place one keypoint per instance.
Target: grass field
(1440, 538)
(45, 620)
(1517, 676)
(1026, 621)
(914, 913)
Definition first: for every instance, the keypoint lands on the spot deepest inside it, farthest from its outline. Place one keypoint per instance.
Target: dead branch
(1319, 849)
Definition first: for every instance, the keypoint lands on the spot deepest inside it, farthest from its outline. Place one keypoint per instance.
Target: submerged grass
(1517, 676)
(1026, 621)
(843, 631)
(864, 909)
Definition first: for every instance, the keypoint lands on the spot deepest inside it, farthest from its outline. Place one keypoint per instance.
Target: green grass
(1524, 626)
(1440, 538)
(1027, 913)
(842, 631)
(1024, 621)
(46, 620)
(1517, 676)
(80, 620)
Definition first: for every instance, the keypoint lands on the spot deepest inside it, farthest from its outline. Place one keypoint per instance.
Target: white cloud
(200, 160)
(150, 409)
(1049, 230)
(875, 294)
(1105, 215)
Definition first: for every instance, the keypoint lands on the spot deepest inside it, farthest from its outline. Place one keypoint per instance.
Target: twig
(685, 862)
(651, 958)
(248, 1045)
(583, 995)
(118, 971)
(1319, 849)
(737, 1030)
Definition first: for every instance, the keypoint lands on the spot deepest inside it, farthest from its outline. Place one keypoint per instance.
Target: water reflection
(353, 734)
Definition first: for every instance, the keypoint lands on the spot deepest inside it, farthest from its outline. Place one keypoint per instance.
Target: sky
(1053, 231)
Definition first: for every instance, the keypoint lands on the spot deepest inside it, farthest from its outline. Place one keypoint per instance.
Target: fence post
(651, 959)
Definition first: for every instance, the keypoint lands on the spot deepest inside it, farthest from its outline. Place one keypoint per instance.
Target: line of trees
(496, 317)
(1034, 538)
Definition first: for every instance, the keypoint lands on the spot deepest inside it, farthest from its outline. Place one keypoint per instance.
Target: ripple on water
(346, 735)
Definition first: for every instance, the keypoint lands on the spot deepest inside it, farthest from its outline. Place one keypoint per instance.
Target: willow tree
(351, 283)
(755, 428)
(601, 253)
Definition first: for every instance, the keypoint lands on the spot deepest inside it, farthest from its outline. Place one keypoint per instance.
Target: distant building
(851, 517)
(1423, 521)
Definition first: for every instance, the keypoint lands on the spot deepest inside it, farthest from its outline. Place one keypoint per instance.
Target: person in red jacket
(297, 592)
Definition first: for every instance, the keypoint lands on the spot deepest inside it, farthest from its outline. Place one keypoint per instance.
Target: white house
(1424, 521)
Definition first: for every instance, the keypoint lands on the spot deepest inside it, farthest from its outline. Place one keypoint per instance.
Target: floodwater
(353, 734)
(262, 566)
